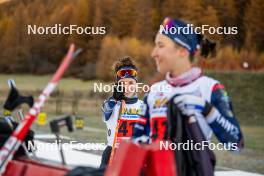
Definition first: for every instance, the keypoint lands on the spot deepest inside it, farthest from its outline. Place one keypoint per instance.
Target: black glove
(119, 91)
(14, 99)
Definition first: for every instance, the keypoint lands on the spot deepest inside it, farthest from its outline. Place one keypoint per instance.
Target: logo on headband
(167, 22)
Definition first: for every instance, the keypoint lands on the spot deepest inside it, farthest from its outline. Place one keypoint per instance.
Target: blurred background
(131, 26)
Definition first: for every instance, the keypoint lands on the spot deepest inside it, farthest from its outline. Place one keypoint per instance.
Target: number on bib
(158, 127)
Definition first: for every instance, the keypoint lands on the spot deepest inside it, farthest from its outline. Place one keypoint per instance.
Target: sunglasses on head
(124, 72)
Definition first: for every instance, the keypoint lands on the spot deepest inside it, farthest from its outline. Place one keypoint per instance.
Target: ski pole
(116, 132)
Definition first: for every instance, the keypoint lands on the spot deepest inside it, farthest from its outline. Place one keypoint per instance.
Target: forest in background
(131, 26)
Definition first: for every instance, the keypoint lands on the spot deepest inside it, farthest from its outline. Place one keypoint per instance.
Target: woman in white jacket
(120, 111)
(198, 96)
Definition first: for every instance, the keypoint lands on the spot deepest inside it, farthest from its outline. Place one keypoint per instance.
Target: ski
(13, 142)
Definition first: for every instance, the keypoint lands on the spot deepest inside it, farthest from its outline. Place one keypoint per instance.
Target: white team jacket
(129, 116)
(162, 92)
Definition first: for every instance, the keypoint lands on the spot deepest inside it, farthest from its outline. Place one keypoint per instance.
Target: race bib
(158, 127)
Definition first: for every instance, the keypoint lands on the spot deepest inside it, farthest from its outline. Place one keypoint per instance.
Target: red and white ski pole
(18, 135)
(122, 106)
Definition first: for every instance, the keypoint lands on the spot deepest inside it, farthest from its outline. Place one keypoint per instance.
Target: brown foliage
(135, 24)
(228, 58)
(114, 48)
